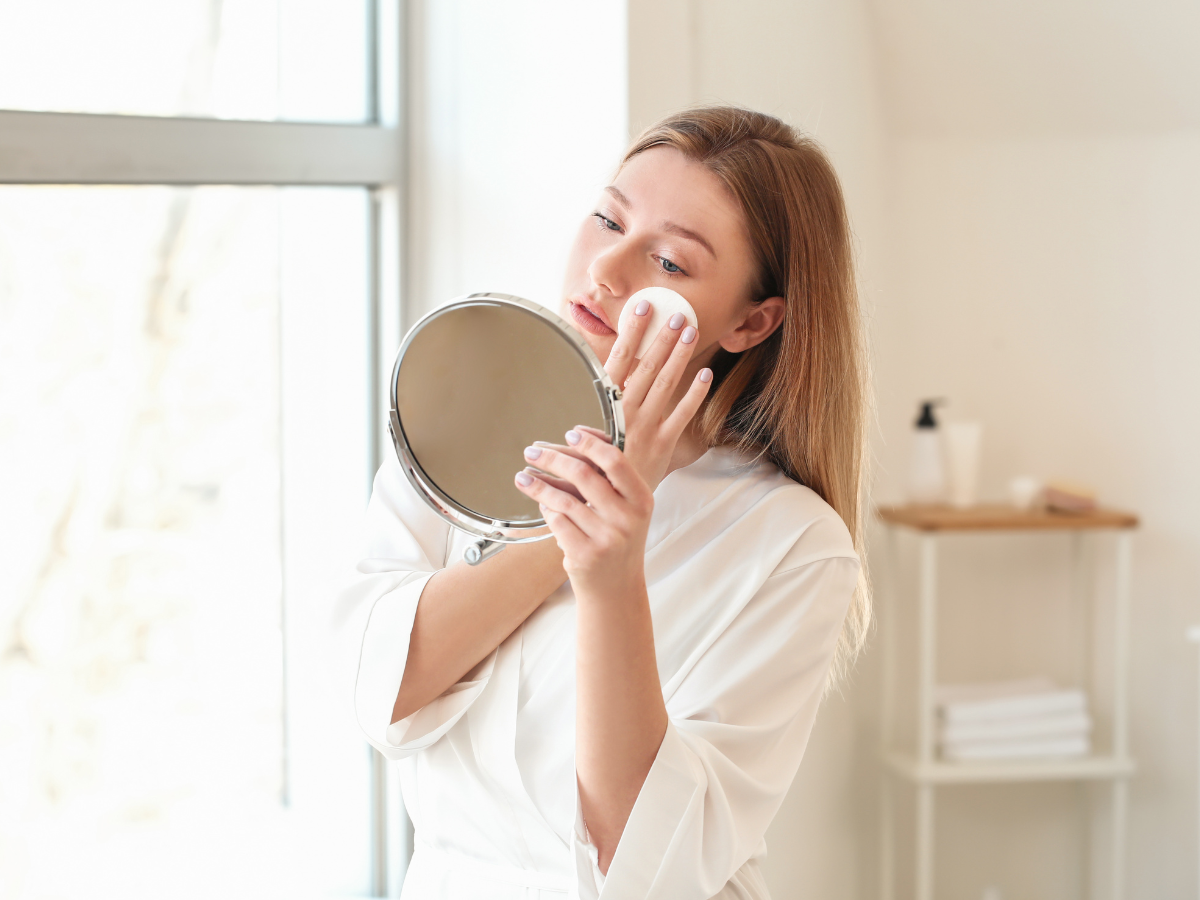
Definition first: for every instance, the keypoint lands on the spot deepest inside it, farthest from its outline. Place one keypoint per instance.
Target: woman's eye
(669, 267)
(606, 222)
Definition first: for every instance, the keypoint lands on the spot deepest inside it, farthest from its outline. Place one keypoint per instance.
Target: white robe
(749, 577)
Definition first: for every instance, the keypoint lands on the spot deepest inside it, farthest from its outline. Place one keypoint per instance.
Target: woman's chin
(601, 344)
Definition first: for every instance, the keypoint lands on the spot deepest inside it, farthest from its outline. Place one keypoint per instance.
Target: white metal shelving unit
(921, 767)
(1193, 635)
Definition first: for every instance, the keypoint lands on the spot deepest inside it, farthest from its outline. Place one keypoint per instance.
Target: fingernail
(677, 321)
(574, 437)
(524, 479)
(689, 335)
(533, 452)
(706, 375)
(642, 308)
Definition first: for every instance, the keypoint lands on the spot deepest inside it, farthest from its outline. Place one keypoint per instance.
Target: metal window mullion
(81, 148)
(390, 827)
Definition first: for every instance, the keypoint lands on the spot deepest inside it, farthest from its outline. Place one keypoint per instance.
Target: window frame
(56, 148)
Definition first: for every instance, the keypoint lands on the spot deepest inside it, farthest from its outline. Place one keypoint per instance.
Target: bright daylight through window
(233, 59)
(187, 434)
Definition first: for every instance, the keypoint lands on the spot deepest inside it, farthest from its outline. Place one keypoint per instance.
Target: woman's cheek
(702, 320)
(578, 261)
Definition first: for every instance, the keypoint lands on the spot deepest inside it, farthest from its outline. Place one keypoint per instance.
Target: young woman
(619, 712)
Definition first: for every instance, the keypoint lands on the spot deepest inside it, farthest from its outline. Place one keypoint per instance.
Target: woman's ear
(760, 323)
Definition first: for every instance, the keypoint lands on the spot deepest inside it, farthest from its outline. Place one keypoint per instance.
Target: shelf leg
(887, 826)
(1086, 882)
(1082, 600)
(887, 837)
(1120, 787)
(925, 842)
(1121, 646)
(928, 652)
(886, 612)
(1120, 803)
(926, 710)
(1082, 591)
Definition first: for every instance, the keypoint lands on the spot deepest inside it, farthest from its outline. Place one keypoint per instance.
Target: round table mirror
(475, 383)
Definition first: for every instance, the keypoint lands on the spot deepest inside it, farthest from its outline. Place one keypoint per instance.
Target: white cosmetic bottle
(926, 474)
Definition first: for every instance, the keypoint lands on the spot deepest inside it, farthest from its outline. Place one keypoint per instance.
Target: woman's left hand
(603, 535)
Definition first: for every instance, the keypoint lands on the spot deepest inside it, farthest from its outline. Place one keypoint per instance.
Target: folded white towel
(997, 701)
(1054, 748)
(991, 690)
(1060, 725)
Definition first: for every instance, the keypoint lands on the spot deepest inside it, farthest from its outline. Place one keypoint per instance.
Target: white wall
(517, 118)
(1026, 67)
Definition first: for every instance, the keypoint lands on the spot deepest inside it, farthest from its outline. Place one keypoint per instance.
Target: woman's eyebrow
(672, 228)
(621, 198)
(669, 227)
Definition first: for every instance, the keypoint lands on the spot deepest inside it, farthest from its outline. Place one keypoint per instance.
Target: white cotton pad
(664, 303)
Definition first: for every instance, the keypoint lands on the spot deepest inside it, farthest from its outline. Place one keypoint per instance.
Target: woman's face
(667, 221)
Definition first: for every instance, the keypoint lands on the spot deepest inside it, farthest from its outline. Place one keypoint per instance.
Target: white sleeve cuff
(435, 718)
(381, 663)
(671, 798)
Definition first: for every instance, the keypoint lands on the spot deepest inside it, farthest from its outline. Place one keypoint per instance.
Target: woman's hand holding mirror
(600, 523)
(597, 499)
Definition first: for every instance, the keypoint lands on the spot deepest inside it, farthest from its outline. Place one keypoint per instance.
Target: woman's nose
(610, 271)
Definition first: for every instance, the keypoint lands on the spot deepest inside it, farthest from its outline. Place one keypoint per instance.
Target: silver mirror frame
(498, 531)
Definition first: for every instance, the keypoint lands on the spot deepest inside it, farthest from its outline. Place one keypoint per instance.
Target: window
(232, 59)
(194, 314)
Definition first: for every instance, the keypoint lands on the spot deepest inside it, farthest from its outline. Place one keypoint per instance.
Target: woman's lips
(588, 321)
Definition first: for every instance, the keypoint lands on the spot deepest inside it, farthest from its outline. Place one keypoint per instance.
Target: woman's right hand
(649, 386)
(653, 422)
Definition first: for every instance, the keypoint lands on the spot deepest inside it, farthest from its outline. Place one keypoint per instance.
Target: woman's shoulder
(822, 533)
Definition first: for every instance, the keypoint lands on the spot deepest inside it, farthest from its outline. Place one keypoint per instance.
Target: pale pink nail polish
(689, 335)
(676, 321)
(533, 452)
(574, 437)
(706, 375)
(642, 308)
(524, 480)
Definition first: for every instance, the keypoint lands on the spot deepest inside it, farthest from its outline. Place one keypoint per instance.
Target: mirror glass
(475, 383)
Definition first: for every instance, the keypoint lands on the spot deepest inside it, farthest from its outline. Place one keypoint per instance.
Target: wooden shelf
(1088, 768)
(999, 517)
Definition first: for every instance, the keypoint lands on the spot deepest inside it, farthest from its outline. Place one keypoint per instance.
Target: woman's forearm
(465, 612)
(620, 716)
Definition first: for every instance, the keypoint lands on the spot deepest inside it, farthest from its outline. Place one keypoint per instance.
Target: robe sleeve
(738, 725)
(406, 544)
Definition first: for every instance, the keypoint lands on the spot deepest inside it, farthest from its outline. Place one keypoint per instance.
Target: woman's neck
(689, 448)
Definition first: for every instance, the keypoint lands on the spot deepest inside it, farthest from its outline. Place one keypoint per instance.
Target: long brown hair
(799, 397)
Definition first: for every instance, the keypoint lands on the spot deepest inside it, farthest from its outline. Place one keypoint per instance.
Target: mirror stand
(480, 550)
